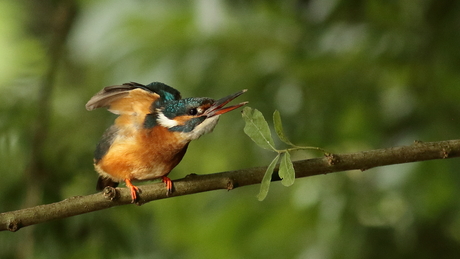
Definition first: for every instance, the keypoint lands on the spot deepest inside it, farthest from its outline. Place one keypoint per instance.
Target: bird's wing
(166, 92)
(123, 99)
(131, 98)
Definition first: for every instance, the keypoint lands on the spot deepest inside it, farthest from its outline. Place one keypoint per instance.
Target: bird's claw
(169, 185)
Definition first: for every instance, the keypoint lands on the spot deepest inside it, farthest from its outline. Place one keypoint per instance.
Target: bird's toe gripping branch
(168, 183)
(134, 190)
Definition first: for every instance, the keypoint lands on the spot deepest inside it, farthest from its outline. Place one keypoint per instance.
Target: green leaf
(257, 128)
(286, 171)
(279, 128)
(265, 184)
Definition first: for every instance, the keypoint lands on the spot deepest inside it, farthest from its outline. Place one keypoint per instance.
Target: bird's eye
(193, 111)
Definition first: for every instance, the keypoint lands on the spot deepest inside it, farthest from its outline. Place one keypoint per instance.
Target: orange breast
(142, 154)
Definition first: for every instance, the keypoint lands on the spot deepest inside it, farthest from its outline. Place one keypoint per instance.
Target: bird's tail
(103, 182)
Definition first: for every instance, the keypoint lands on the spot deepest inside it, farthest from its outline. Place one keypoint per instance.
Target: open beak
(218, 107)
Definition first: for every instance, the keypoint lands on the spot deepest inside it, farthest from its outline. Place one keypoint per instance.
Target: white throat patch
(165, 121)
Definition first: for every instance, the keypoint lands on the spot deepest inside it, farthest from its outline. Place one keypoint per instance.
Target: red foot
(168, 183)
(134, 190)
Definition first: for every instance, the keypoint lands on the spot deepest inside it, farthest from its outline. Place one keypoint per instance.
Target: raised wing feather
(108, 95)
(166, 92)
(132, 98)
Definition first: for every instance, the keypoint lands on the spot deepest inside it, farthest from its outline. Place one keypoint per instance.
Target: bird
(151, 134)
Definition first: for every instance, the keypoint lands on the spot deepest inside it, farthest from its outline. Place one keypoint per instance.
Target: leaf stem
(295, 148)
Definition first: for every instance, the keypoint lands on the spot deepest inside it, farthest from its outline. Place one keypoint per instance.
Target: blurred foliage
(345, 75)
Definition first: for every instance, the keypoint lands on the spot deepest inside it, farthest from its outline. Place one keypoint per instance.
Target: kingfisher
(152, 131)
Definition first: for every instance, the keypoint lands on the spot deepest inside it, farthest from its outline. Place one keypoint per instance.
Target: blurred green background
(346, 75)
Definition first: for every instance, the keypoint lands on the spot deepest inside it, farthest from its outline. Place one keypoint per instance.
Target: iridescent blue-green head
(193, 117)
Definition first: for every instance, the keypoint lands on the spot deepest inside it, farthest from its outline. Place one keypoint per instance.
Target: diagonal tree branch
(110, 197)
